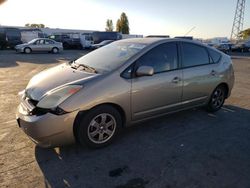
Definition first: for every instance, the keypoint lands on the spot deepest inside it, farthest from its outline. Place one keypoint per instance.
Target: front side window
(41, 41)
(194, 55)
(162, 58)
(37, 42)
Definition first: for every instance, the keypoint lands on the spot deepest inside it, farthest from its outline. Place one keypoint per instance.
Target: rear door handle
(176, 80)
(213, 73)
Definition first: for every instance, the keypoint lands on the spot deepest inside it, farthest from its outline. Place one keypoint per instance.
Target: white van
(86, 40)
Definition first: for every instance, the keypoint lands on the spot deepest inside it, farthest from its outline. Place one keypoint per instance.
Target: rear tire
(27, 50)
(217, 99)
(99, 127)
(55, 50)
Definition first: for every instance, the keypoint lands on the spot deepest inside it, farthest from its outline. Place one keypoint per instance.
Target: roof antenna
(189, 31)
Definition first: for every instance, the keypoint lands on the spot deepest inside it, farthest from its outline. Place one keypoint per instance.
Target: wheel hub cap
(101, 128)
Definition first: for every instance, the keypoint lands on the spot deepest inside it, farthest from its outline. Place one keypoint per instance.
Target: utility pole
(238, 19)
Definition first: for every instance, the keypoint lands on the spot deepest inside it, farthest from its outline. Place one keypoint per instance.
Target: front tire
(217, 99)
(27, 50)
(99, 126)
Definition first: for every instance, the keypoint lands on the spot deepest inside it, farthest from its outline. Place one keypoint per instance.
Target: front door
(160, 93)
(38, 45)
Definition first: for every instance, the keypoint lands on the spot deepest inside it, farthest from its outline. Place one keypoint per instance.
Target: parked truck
(28, 34)
(100, 36)
(9, 37)
(69, 40)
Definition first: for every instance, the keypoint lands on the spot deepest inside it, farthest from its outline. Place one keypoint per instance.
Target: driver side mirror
(145, 71)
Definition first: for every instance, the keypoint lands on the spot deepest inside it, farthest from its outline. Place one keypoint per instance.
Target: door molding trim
(169, 106)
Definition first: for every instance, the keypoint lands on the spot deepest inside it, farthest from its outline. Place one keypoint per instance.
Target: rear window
(215, 56)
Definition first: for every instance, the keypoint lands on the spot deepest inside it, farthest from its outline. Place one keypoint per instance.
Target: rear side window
(215, 56)
(194, 55)
(162, 58)
(49, 42)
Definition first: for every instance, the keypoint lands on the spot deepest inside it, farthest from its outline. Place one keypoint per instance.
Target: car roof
(43, 39)
(152, 40)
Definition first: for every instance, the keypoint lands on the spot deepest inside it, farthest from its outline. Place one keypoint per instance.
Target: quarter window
(194, 55)
(214, 55)
(162, 58)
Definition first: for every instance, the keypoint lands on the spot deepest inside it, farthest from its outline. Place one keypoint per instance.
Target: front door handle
(176, 80)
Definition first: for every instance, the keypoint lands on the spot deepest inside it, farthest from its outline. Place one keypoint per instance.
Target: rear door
(160, 93)
(48, 45)
(200, 75)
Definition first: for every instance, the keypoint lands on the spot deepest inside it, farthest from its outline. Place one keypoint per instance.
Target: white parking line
(227, 109)
(212, 115)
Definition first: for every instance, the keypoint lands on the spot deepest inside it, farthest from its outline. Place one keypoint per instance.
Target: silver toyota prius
(91, 99)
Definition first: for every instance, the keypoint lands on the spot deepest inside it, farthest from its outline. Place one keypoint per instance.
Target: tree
(245, 34)
(35, 25)
(2, 1)
(122, 24)
(109, 25)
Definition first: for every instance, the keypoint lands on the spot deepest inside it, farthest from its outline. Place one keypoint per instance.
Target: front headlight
(56, 97)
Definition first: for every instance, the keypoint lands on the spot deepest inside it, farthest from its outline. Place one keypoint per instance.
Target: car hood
(55, 77)
(22, 45)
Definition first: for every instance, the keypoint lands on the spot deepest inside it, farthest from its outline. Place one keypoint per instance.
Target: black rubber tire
(82, 127)
(25, 50)
(66, 45)
(211, 107)
(54, 51)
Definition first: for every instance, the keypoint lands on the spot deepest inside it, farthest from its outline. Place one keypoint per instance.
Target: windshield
(32, 41)
(111, 56)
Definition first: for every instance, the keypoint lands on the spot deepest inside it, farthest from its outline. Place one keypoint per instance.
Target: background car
(241, 47)
(40, 45)
(223, 47)
(101, 44)
(69, 40)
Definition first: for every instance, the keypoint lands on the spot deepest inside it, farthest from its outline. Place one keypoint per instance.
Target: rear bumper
(48, 130)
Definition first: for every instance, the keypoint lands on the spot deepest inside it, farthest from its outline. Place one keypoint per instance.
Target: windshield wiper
(92, 69)
(75, 65)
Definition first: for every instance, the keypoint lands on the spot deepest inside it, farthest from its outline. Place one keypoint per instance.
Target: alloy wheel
(101, 128)
(218, 98)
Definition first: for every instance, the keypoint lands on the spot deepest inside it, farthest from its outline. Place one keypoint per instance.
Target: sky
(213, 18)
